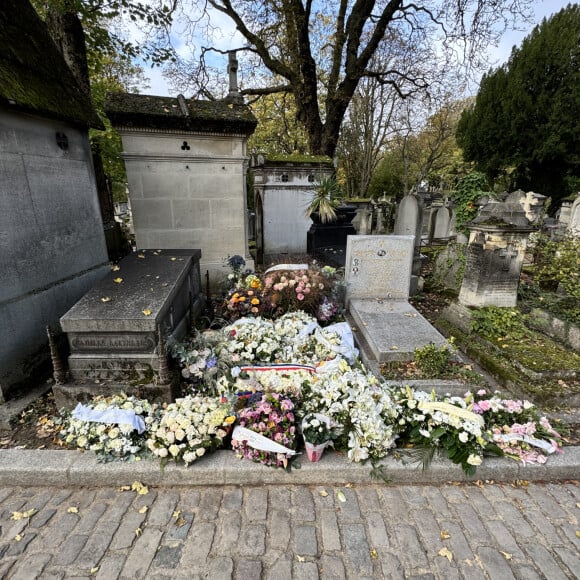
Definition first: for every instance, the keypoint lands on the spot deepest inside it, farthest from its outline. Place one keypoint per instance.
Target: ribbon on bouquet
(279, 367)
(111, 416)
(260, 442)
(450, 409)
(507, 437)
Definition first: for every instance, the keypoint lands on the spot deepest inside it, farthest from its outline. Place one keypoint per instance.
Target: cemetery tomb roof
(502, 215)
(34, 77)
(153, 112)
(301, 159)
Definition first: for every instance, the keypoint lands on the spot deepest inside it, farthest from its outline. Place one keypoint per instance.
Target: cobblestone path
(378, 531)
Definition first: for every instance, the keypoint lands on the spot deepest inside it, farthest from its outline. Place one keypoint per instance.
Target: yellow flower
(229, 420)
(255, 301)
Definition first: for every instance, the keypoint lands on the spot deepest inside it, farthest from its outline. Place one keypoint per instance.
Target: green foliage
(469, 189)
(495, 323)
(325, 200)
(558, 264)
(524, 127)
(432, 359)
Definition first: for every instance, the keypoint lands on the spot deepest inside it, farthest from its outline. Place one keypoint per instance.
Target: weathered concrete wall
(52, 246)
(188, 198)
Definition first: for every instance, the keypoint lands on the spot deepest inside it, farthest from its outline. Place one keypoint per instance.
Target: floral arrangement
(516, 427)
(109, 440)
(187, 429)
(271, 416)
(200, 362)
(430, 424)
(288, 291)
(317, 429)
(353, 398)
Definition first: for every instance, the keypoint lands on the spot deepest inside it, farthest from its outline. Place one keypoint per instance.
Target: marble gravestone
(113, 330)
(378, 276)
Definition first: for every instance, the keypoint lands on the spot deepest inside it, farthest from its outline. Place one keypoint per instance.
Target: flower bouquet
(112, 427)
(189, 428)
(318, 432)
(266, 432)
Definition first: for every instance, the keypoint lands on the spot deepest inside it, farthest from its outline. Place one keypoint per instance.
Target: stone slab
(392, 329)
(378, 267)
(152, 282)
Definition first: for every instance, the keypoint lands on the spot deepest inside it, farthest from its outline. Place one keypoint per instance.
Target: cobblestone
(278, 532)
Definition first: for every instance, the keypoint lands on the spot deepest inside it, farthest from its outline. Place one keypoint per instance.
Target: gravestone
(113, 330)
(378, 274)
(409, 221)
(574, 224)
(378, 267)
(442, 226)
(495, 255)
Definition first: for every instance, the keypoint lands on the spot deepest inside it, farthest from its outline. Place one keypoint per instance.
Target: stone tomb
(112, 330)
(378, 276)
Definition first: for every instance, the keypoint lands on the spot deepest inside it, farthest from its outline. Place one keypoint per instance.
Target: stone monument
(378, 276)
(113, 331)
(495, 254)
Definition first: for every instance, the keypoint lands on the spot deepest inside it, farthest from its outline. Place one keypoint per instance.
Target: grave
(113, 331)
(378, 277)
(409, 221)
(495, 254)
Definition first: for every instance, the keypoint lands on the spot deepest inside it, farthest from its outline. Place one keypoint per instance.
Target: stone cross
(509, 253)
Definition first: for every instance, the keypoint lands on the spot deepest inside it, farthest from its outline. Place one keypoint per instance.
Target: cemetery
(194, 342)
(215, 332)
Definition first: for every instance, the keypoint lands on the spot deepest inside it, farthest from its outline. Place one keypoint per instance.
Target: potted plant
(318, 431)
(322, 206)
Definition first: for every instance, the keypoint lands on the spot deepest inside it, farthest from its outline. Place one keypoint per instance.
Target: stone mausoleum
(52, 243)
(186, 167)
(283, 188)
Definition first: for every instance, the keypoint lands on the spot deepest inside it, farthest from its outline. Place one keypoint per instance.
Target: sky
(497, 55)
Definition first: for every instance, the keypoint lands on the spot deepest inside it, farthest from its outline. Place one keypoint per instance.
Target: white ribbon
(257, 441)
(288, 267)
(450, 409)
(507, 437)
(111, 415)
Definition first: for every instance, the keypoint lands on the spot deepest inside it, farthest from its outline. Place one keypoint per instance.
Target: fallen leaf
(506, 555)
(141, 256)
(176, 514)
(394, 347)
(179, 522)
(340, 496)
(143, 509)
(139, 488)
(445, 535)
(106, 299)
(18, 537)
(138, 532)
(173, 259)
(16, 516)
(115, 268)
(349, 485)
(300, 558)
(73, 510)
(578, 505)
(446, 554)
(124, 488)
(164, 284)
(374, 554)
(147, 312)
(578, 533)
(323, 493)
(94, 570)
(118, 280)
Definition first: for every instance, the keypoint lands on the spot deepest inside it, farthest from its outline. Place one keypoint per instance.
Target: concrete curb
(34, 468)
